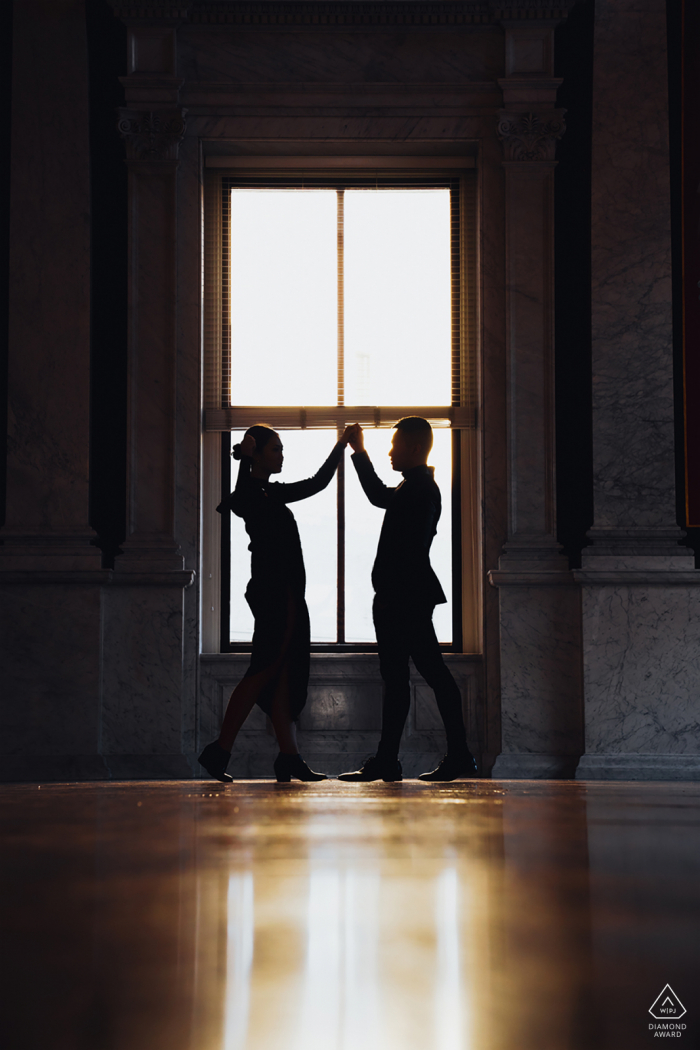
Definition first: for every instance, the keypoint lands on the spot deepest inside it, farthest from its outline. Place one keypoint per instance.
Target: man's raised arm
(375, 490)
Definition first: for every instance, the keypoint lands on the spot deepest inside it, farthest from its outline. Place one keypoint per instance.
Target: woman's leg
(246, 693)
(285, 728)
(240, 705)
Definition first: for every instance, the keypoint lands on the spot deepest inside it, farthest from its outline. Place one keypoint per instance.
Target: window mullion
(341, 401)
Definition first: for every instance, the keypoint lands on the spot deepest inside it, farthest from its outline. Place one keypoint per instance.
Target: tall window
(340, 303)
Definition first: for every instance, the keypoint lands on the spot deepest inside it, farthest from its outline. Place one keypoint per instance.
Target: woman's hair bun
(236, 452)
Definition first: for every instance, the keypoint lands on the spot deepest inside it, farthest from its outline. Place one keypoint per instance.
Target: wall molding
(335, 13)
(638, 767)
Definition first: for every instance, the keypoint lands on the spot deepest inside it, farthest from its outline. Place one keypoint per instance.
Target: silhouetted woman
(278, 675)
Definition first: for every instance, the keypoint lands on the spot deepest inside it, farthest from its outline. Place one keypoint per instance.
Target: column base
(639, 767)
(534, 767)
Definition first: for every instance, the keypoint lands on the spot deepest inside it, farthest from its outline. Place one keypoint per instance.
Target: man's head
(411, 444)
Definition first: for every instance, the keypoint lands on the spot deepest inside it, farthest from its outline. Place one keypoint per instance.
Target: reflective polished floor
(480, 915)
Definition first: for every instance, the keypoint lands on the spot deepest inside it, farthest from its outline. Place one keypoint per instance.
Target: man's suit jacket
(402, 571)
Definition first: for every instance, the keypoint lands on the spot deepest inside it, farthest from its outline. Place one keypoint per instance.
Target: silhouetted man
(406, 592)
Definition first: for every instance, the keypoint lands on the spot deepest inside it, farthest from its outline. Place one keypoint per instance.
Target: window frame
(220, 417)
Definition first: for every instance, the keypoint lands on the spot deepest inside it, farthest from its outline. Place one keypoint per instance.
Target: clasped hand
(353, 436)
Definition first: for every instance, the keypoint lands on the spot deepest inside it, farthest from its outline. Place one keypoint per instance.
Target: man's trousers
(406, 631)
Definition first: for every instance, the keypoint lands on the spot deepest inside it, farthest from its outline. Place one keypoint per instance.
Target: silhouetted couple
(406, 592)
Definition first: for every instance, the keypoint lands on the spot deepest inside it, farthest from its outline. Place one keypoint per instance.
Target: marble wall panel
(641, 669)
(540, 674)
(641, 639)
(49, 319)
(633, 439)
(351, 705)
(50, 680)
(142, 686)
(247, 56)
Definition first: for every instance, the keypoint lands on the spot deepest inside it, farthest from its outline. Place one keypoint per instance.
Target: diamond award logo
(667, 1005)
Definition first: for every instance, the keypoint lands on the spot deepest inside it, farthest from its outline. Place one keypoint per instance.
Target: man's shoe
(215, 759)
(453, 767)
(288, 766)
(376, 768)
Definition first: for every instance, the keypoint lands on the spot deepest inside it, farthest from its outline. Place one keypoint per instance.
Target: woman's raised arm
(296, 490)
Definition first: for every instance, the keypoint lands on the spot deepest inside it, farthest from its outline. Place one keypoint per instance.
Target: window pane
(363, 524)
(283, 297)
(304, 452)
(397, 297)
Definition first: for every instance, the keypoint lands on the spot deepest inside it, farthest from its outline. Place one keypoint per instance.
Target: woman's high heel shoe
(215, 759)
(288, 766)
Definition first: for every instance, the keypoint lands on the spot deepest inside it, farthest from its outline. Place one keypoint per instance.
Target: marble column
(641, 600)
(152, 139)
(50, 573)
(539, 609)
(144, 705)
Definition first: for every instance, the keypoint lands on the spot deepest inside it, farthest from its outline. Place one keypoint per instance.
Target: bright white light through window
(286, 271)
(397, 297)
(283, 297)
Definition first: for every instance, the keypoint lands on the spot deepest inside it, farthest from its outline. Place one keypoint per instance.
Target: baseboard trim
(534, 767)
(44, 769)
(639, 767)
(25, 769)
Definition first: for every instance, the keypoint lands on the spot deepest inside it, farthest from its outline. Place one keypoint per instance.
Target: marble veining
(389, 55)
(49, 303)
(641, 638)
(633, 436)
(50, 671)
(142, 674)
(540, 670)
(641, 669)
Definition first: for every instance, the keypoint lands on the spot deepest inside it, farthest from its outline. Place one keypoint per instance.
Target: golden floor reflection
(342, 952)
(469, 916)
(379, 960)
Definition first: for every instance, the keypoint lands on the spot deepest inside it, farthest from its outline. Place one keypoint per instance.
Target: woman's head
(267, 453)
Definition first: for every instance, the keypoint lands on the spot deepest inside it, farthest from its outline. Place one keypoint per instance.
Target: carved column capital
(153, 135)
(530, 136)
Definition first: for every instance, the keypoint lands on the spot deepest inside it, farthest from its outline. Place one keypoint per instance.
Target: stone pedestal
(641, 596)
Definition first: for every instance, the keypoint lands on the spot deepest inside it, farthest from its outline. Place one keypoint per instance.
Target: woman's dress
(275, 593)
